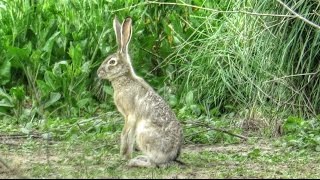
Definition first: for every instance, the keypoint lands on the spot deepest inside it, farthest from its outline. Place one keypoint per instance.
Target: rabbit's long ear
(126, 34)
(117, 30)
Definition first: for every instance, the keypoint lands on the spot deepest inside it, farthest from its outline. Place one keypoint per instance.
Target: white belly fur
(141, 129)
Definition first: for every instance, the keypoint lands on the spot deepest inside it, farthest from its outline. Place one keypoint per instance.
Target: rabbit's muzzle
(101, 72)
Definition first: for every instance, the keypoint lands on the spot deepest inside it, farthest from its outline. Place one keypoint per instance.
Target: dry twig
(3, 163)
(208, 127)
(298, 15)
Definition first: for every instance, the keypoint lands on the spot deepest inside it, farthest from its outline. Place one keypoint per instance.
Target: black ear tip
(128, 19)
(115, 19)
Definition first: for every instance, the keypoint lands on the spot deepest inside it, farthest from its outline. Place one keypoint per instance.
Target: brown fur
(148, 119)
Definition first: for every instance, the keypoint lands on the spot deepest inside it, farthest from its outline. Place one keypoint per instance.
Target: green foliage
(5, 72)
(302, 134)
(12, 102)
(206, 58)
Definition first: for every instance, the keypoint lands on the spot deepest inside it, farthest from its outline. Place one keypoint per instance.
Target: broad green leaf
(189, 98)
(5, 95)
(51, 80)
(108, 90)
(49, 44)
(2, 6)
(18, 52)
(215, 111)
(293, 124)
(43, 87)
(5, 72)
(59, 68)
(46, 136)
(20, 55)
(29, 125)
(4, 103)
(173, 100)
(255, 153)
(18, 93)
(198, 2)
(54, 97)
(83, 102)
(25, 130)
(85, 68)
(76, 56)
(35, 57)
(195, 109)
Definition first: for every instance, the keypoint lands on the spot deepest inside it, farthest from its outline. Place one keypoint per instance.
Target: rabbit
(149, 121)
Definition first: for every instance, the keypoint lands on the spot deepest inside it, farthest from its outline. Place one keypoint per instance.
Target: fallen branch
(228, 132)
(17, 139)
(19, 136)
(5, 164)
(209, 127)
(298, 15)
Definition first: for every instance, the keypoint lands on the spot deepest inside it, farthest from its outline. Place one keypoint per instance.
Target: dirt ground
(30, 158)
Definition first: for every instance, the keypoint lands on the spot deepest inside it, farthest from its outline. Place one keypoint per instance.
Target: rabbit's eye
(112, 62)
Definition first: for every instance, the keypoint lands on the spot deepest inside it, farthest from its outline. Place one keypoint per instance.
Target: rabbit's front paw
(125, 153)
(125, 156)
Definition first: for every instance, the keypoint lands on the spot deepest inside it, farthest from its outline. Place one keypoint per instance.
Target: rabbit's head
(118, 64)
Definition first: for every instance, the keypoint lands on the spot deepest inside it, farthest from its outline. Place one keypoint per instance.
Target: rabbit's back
(158, 132)
(153, 107)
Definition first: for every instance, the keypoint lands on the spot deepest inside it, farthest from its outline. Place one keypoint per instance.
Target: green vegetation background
(248, 66)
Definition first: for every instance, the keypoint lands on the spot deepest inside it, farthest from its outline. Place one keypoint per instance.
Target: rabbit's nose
(101, 72)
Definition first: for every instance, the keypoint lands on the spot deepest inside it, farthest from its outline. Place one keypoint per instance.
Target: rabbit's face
(118, 64)
(114, 66)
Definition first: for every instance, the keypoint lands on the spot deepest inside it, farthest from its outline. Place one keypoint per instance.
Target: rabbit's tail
(176, 162)
(180, 162)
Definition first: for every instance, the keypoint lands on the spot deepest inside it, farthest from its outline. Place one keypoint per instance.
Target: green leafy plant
(300, 133)
(12, 101)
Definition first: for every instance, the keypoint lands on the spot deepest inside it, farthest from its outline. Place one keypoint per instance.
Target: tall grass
(300, 57)
(252, 61)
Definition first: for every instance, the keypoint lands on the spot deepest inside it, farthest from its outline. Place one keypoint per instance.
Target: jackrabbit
(148, 119)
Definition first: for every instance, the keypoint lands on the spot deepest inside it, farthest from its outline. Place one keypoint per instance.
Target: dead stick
(16, 136)
(298, 15)
(5, 164)
(230, 133)
(216, 129)
(12, 170)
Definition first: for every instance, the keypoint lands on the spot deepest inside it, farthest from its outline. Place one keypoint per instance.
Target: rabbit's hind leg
(141, 161)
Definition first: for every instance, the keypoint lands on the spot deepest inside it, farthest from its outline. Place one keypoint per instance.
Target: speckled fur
(149, 121)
